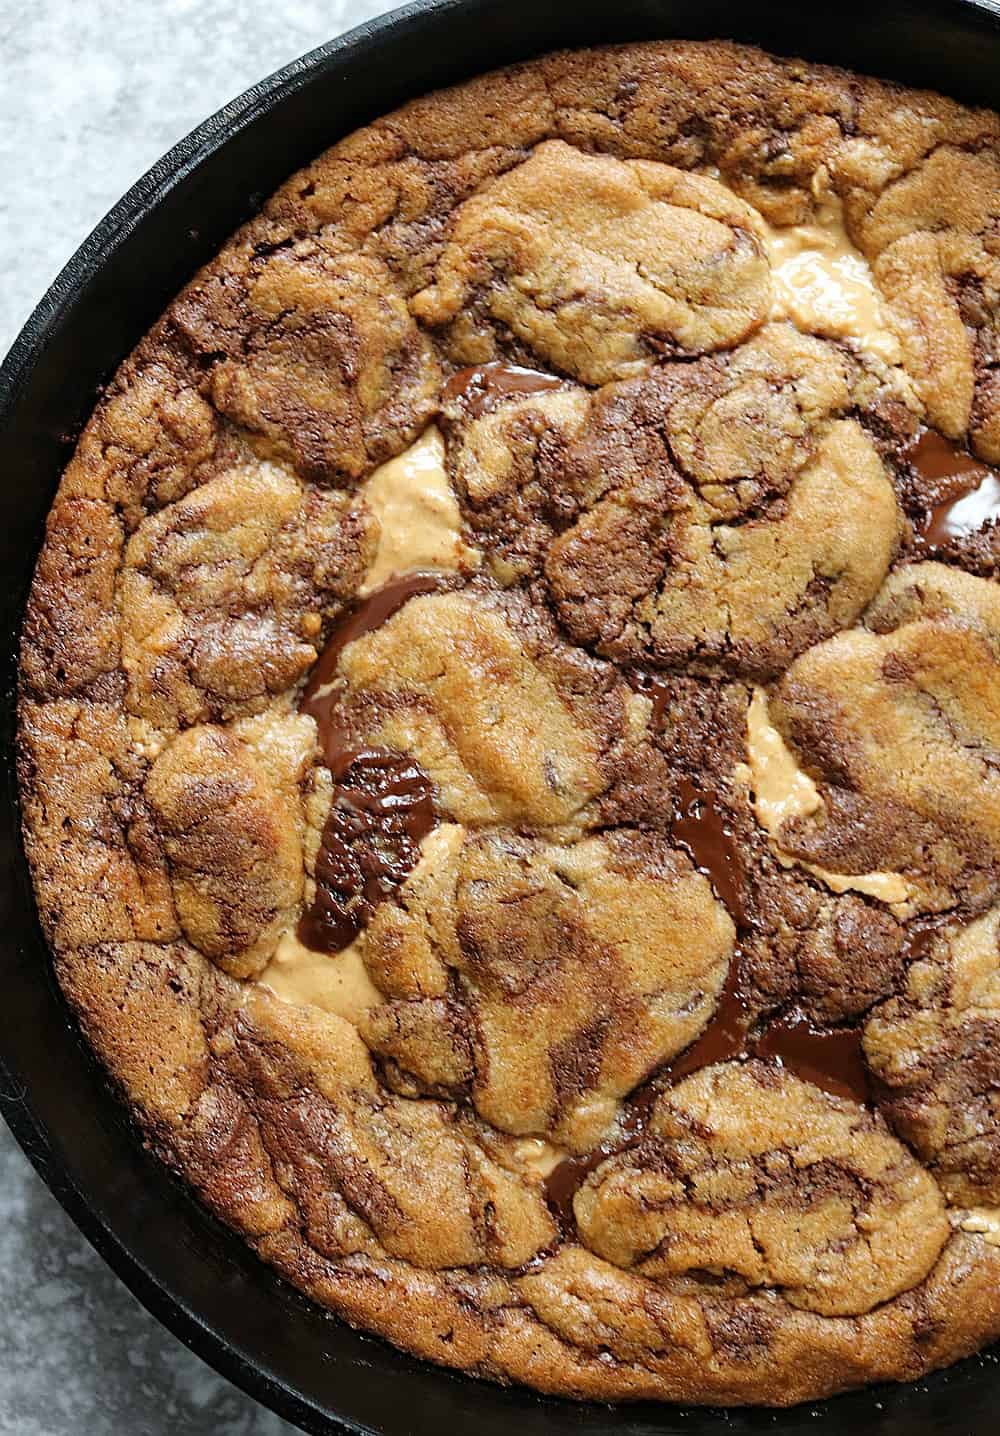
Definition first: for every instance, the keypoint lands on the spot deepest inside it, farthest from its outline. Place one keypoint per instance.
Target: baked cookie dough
(509, 729)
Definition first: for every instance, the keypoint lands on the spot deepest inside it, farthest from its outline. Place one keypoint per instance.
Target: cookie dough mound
(742, 425)
(758, 1175)
(511, 724)
(832, 956)
(315, 355)
(715, 514)
(898, 723)
(530, 468)
(90, 833)
(371, 1173)
(232, 839)
(735, 428)
(153, 439)
(743, 597)
(597, 266)
(931, 236)
(936, 1048)
(579, 970)
(225, 595)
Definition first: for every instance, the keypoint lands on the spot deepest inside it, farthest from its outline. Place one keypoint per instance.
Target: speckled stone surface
(91, 93)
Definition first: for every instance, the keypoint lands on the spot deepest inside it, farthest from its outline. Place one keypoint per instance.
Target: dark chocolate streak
(971, 492)
(564, 1181)
(477, 389)
(383, 802)
(918, 938)
(830, 1058)
(382, 808)
(699, 827)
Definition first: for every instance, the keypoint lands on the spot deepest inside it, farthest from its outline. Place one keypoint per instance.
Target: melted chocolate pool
(479, 388)
(966, 492)
(700, 827)
(830, 1058)
(382, 808)
(383, 802)
(725, 1037)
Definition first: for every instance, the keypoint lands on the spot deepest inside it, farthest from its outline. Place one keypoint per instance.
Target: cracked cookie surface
(509, 725)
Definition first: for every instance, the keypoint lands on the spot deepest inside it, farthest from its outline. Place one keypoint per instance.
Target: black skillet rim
(938, 37)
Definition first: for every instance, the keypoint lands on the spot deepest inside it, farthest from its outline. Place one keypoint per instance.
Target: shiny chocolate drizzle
(383, 801)
(699, 827)
(830, 1058)
(967, 492)
(480, 387)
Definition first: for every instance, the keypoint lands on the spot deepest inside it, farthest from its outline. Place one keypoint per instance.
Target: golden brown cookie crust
(675, 519)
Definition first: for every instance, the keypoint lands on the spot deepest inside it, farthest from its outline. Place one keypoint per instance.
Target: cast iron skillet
(190, 1272)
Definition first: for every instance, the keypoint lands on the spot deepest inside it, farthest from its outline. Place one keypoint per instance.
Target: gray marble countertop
(92, 92)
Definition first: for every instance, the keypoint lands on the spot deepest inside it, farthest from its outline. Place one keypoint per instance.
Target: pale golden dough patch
(225, 594)
(932, 237)
(598, 1307)
(233, 845)
(489, 460)
(580, 969)
(482, 719)
(409, 943)
(596, 264)
(283, 742)
(937, 1048)
(335, 982)
(898, 727)
(753, 1173)
(419, 524)
(937, 349)
(939, 592)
